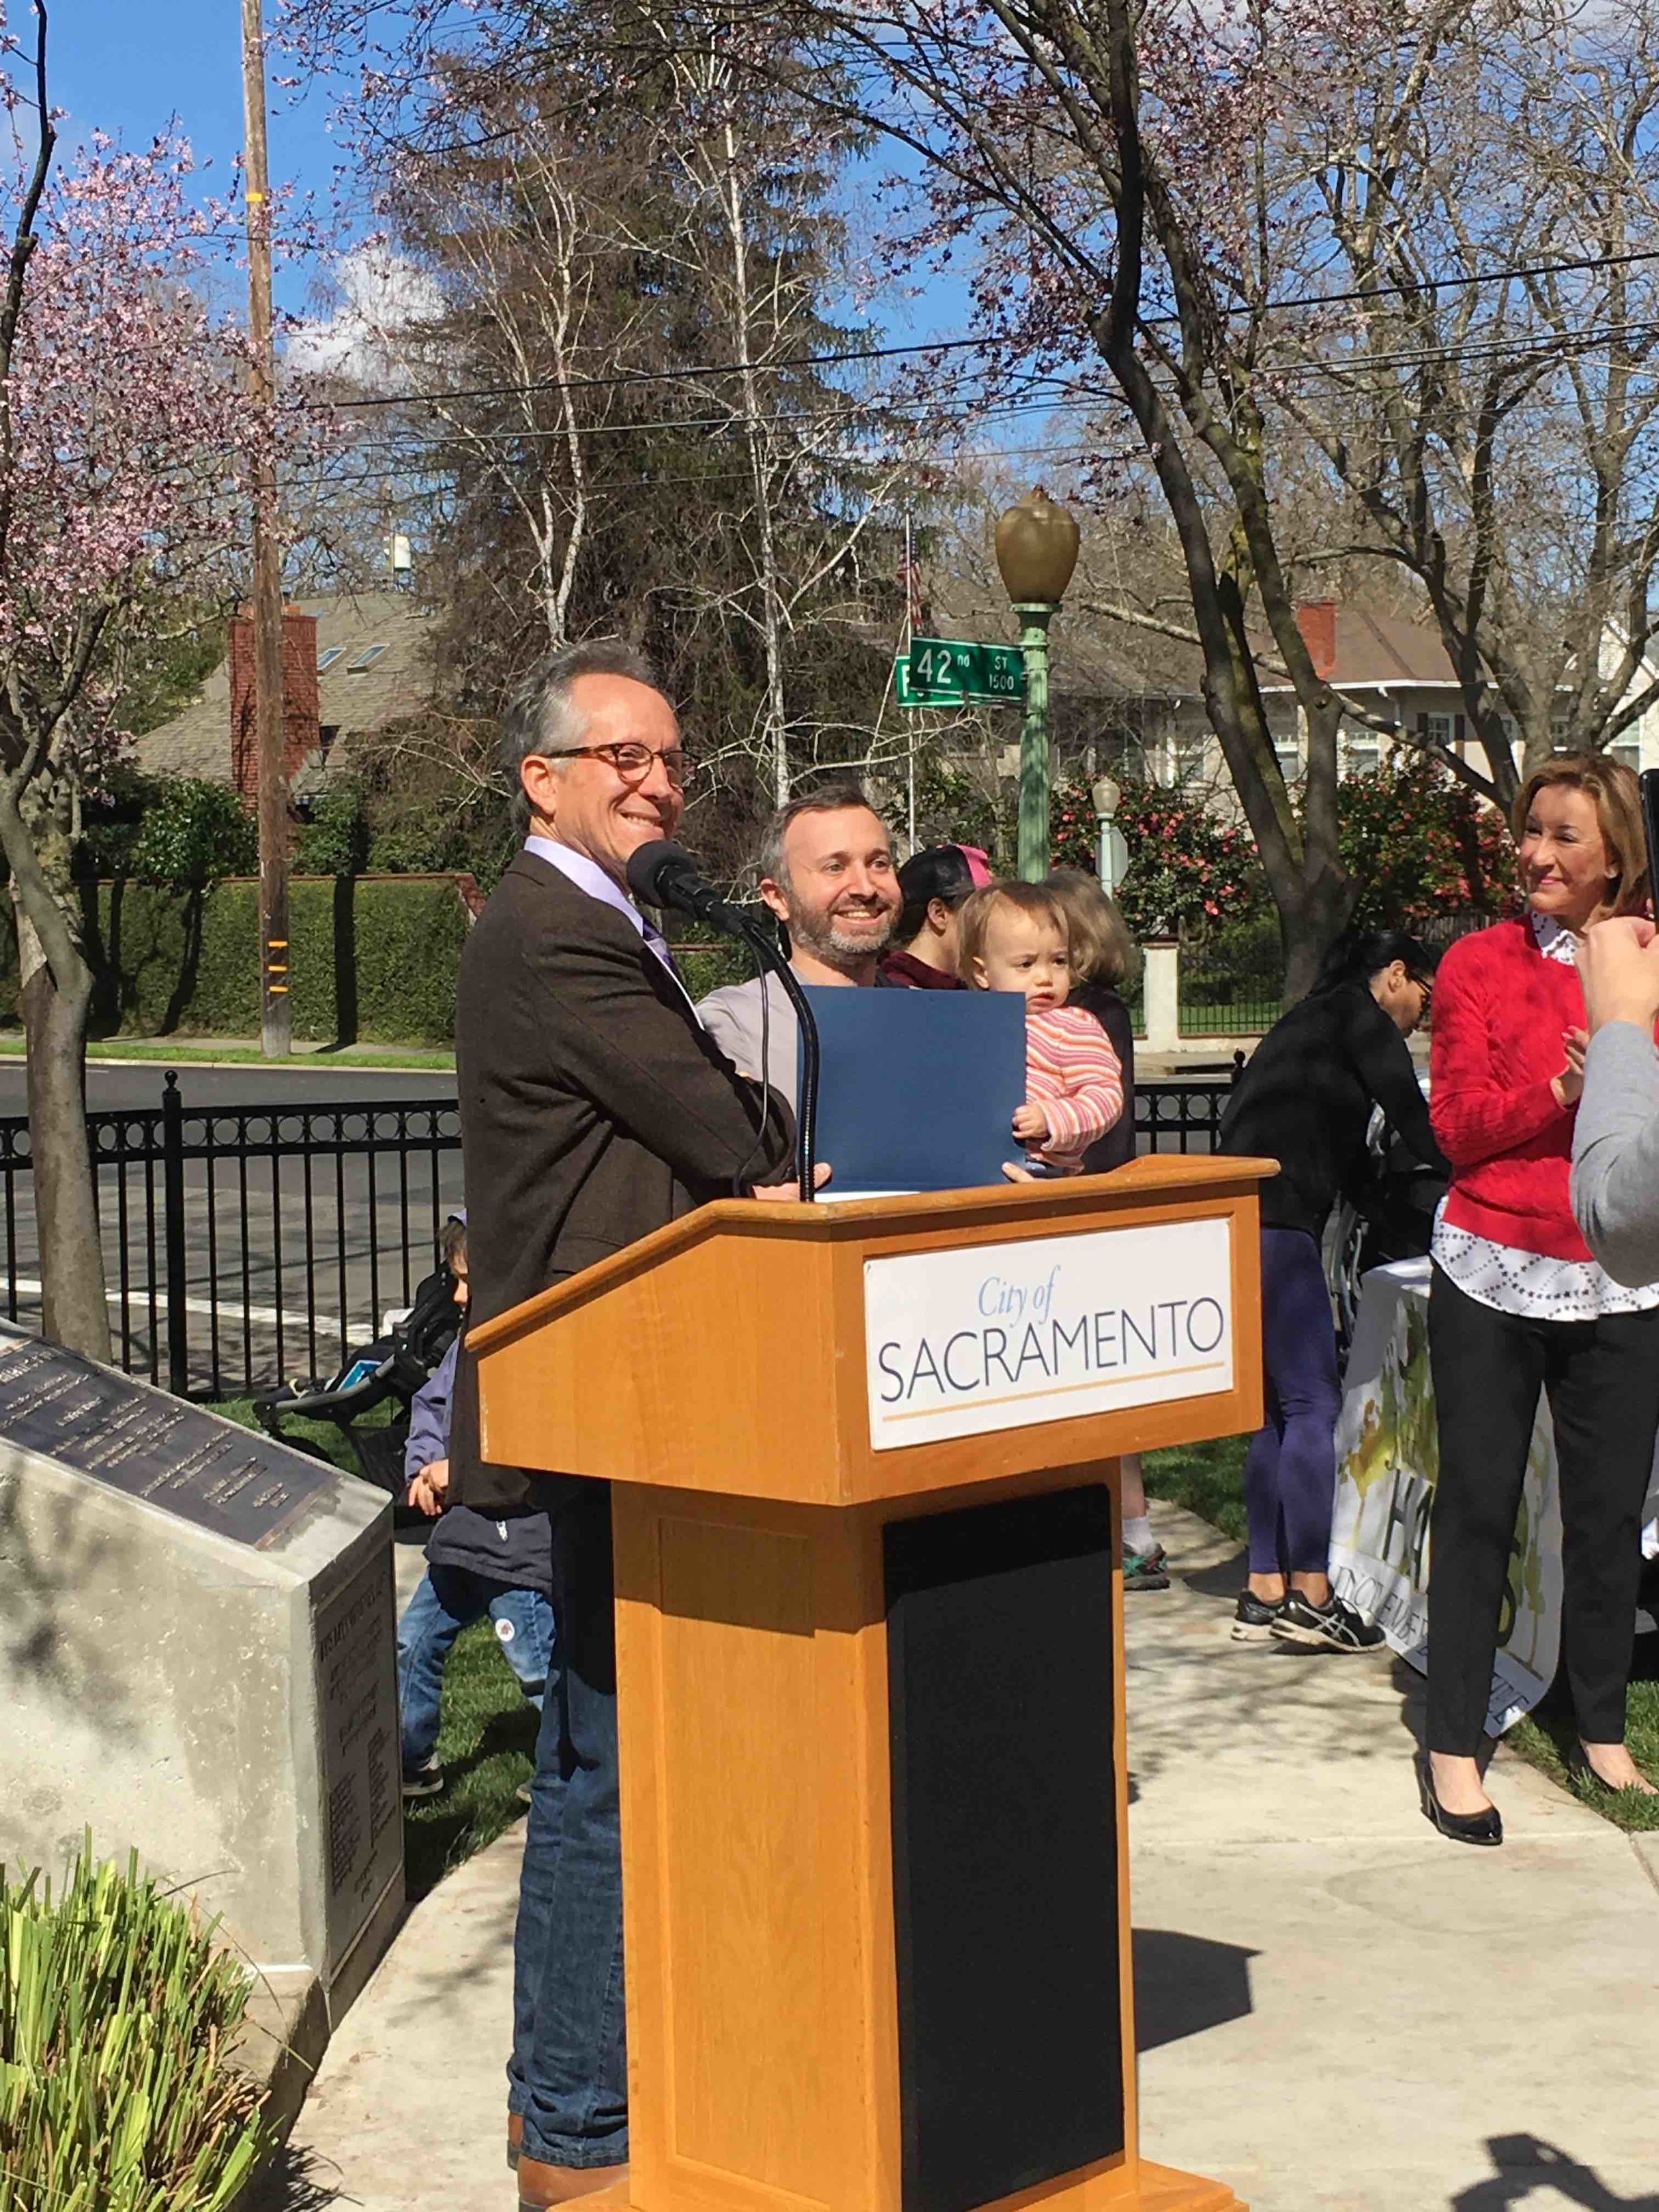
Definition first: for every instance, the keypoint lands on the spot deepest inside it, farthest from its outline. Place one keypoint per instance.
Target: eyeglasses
(634, 762)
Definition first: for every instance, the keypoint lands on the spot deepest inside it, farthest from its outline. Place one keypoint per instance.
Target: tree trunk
(74, 1308)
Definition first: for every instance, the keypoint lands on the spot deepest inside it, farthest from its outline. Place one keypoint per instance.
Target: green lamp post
(1036, 545)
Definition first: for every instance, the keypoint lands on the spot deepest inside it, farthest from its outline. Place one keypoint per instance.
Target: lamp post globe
(1036, 549)
(1036, 544)
(1112, 854)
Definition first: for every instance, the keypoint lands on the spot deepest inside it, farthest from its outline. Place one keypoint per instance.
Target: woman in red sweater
(1518, 1305)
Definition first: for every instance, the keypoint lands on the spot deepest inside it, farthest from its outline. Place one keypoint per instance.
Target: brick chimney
(1316, 621)
(301, 702)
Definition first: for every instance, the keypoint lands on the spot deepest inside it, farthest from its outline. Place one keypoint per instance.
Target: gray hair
(541, 717)
(834, 797)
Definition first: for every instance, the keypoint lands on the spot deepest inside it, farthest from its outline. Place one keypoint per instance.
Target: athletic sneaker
(1332, 1626)
(1255, 1620)
(1147, 1571)
(425, 1780)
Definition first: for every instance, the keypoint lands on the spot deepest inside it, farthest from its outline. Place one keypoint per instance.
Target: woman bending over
(1306, 1100)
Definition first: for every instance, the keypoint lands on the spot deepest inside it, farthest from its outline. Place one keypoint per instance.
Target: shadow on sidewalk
(296, 2181)
(1524, 2163)
(1225, 1579)
(1186, 1983)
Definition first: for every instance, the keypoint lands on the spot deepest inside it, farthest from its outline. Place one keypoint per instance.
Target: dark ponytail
(1359, 954)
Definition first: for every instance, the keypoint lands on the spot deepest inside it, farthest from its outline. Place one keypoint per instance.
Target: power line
(393, 472)
(1402, 288)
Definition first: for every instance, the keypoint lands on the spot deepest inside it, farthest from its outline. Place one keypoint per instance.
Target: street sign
(951, 672)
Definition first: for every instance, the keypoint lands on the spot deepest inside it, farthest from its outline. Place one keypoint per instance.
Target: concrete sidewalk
(1339, 2011)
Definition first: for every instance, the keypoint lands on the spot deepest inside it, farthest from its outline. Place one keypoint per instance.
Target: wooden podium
(870, 1662)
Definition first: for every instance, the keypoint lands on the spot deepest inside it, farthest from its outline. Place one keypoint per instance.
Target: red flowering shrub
(1419, 844)
(1191, 872)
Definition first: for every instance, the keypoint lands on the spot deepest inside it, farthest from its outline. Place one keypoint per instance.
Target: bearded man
(826, 871)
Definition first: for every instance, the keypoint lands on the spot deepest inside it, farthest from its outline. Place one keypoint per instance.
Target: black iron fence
(245, 1244)
(1178, 1114)
(1233, 984)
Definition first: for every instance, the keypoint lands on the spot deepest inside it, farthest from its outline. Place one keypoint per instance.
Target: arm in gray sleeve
(428, 1416)
(1615, 1153)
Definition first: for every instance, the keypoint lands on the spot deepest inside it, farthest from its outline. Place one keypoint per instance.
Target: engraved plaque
(136, 1439)
(241, 1735)
(357, 1699)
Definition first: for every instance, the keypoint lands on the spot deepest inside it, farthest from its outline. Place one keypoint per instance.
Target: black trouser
(1602, 1377)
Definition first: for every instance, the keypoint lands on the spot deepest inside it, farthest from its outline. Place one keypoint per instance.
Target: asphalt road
(138, 1083)
(292, 1261)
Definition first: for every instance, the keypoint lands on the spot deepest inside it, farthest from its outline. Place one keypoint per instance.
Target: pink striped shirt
(1074, 1074)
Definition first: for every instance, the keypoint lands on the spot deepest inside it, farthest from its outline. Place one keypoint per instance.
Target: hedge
(372, 958)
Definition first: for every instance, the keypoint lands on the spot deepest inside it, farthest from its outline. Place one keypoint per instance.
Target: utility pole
(275, 1023)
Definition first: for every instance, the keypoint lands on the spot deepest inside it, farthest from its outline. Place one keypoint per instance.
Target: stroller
(394, 1367)
(1389, 1215)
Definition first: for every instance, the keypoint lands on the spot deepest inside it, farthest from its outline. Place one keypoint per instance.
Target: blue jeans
(1290, 1470)
(448, 1600)
(568, 2073)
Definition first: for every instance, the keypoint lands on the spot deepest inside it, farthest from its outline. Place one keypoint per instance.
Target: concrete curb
(281, 2042)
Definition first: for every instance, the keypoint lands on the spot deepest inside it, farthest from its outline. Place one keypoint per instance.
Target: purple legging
(1290, 1470)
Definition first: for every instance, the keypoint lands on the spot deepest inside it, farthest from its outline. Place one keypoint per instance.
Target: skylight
(365, 660)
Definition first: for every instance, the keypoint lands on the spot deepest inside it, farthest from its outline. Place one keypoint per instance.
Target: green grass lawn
(1208, 1479)
(487, 1748)
(487, 1738)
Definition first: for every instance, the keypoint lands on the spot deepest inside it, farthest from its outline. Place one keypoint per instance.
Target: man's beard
(836, 947)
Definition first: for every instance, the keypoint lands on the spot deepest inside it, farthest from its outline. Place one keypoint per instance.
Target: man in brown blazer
(595, 1108)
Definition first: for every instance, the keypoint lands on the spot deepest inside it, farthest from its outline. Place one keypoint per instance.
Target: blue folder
(917, 1088)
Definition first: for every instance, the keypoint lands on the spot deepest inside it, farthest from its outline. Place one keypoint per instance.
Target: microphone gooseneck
(664, 874)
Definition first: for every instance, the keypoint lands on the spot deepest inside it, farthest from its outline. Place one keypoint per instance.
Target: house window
(1362, 749)
(1191, 758)
(1184, 756)
(1438, 729)
(365, 660)
(1560, 733)
(1287, 751)
(1627, 748)
(326, 660)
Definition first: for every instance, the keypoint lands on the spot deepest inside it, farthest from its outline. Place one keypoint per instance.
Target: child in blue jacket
(474, 1565)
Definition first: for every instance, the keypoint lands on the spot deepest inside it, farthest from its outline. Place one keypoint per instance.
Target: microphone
(664, 874)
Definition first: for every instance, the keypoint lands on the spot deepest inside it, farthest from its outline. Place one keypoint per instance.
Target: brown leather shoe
(541, 2184)
(514, 2136)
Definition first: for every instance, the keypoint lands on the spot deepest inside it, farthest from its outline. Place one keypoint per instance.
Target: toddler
(1013, 938)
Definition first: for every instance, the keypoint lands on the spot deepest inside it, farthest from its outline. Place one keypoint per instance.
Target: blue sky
(130, 66)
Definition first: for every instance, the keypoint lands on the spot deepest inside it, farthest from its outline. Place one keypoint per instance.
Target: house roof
(1373, 649)
(356, 700)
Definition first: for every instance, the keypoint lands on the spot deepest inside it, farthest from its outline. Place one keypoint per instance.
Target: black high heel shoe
(1484, 1827)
